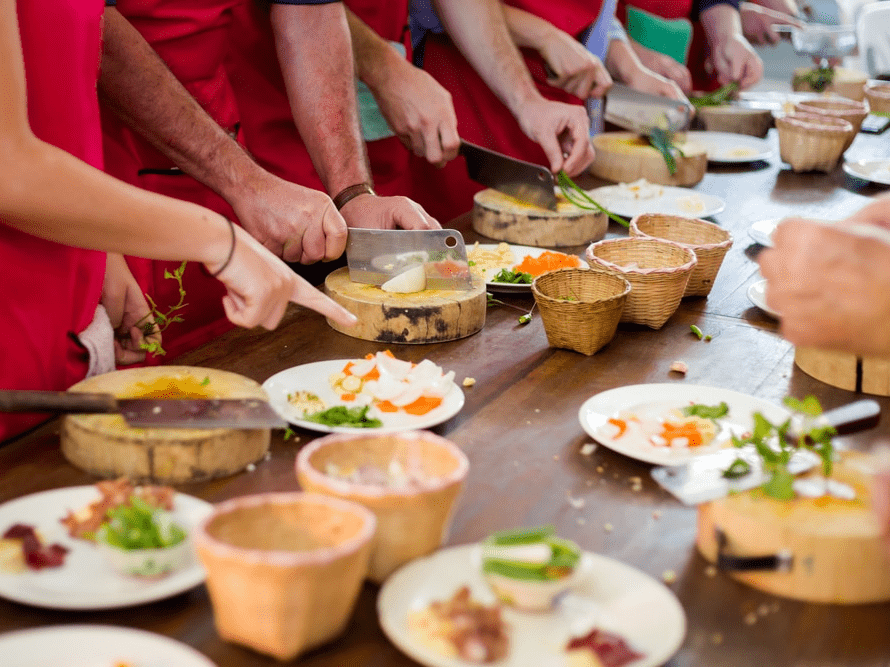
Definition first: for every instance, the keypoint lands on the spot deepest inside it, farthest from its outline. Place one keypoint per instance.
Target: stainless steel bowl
(821, 41)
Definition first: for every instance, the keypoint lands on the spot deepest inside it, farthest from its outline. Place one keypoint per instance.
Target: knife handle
(23, 400)
(854, 417)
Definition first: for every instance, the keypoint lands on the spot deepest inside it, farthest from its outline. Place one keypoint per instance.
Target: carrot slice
(620, 424)
(423, 405)
(546, 261)
(386, 406)
(347, 397)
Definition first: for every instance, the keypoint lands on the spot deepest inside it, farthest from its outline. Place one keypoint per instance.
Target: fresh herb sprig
(663, 141)
(156, 321)
(818, 79)
(581, 199)
(340, 415)
(716, 97)
(513, 277)
(523, 319)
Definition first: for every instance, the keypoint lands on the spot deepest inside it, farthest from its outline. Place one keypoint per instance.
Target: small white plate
(519, 252)
(757, 296)
(95, 646)
(612, 596)
(649, 401)
(314, 377)
(876, 171)
(87, 580)
(762, 231)
(671, 201)
(732, 148)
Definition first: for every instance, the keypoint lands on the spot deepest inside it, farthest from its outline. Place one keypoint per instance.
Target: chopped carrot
(347, 397)
(386, 406)
(373, 374)
(347, 367)
(423, 405)
(547, 261)
(620, 424)
(686, 430)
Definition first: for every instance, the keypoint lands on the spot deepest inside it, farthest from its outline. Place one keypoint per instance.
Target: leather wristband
(348, 194)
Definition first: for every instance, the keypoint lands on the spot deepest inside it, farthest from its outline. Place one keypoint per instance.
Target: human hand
(128, 311)
(420, 111)
(759, 23)
(260, 286)
(831, 286)
(371, 212)
(664, 66)
(575, 70)
(563, 132)
(295, 223)
(733, 59)
(647, 81)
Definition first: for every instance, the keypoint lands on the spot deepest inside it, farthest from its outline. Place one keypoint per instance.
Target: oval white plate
(95, 646)
(876, 171)
(613, 597)
(757, 296)
(653, 400)
(86, 580)
(672, 201)
(732, 148)
(762, 231)
(519, 252)
(314, 377)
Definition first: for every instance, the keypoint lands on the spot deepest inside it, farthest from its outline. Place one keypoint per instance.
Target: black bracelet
(231, 250)
(348, 194)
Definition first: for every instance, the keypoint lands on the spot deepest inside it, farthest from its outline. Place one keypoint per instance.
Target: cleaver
(242, 413)
(376, 255)
(641, 112)
(525, 181)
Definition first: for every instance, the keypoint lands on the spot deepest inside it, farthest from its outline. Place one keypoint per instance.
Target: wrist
(223, 250)
(349, 193)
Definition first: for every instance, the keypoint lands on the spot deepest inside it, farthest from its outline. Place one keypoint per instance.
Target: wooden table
(520, 429)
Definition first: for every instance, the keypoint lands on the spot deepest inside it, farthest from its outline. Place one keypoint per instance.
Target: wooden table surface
(520, 429)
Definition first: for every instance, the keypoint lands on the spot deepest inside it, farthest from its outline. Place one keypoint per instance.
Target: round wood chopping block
(847, 83)
(106, 446)
(727, 118)
(501, 217)
(625, 157)
(847, 371)
(836, 546)
(430, 316)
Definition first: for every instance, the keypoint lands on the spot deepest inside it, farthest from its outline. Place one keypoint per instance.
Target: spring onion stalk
(581, 199)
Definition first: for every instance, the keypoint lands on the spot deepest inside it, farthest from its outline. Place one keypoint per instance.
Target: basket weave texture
(580, 308)
(878, 96)
(816, 146)
(708, 241)
(852, 111)
(657, 271)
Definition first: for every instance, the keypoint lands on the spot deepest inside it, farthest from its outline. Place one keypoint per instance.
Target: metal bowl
(822, 41)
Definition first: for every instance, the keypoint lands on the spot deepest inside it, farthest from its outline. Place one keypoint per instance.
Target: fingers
(449, 140)
(306, 295)
(581, 154)
(409, 214)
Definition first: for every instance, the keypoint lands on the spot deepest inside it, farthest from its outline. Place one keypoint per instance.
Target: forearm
(720, 23)
(622, 61)
(375, 58)
(321, 89)
(137, 85)
(528, 30)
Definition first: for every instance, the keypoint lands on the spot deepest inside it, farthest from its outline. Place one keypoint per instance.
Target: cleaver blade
(376, 255)
(525, 181)
(241, 413)
(641, 112)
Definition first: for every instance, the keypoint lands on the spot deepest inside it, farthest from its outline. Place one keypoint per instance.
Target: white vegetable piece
(412, 280)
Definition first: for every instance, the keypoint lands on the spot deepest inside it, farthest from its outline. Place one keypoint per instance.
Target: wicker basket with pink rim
(709, 241)
(878, 95)
(284, 570)
(411, 481)
(812, 142)
(852, 111)
(657, 271)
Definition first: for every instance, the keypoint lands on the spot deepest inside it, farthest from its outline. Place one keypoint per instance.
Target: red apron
(192, 37)
(48, 290)
(481, 117)
(269, 130)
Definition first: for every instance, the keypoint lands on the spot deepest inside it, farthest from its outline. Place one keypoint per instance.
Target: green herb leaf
(779, 486)
(716, 97)
(513, 277)
(818, 79)
(738, 468)
(162, 320)
(340, 415)
(706, 411)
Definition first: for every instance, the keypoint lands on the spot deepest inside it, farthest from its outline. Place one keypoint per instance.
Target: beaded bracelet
(348, 194)
(231, 250)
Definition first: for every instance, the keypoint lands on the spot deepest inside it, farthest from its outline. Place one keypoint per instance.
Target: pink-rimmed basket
(812, 142)
(852, 111)
(878, 95)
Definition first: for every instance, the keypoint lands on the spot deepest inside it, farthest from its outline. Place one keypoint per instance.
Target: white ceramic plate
(86, 580)
(95, 646)
(613, 597)
(314, 377)
(671, 201)
(762, 231)
(650, 401)
(757, 296)
(876, 171)
(732, 148)
(519, 252)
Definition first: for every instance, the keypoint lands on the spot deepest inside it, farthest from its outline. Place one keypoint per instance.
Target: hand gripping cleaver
(525, 181)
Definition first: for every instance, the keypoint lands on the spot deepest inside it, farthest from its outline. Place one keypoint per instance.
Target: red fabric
(269, 130)
(571, 16)
(47, 289)
(192, 37)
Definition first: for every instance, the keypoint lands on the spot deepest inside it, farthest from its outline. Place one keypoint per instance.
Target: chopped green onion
(581, 199)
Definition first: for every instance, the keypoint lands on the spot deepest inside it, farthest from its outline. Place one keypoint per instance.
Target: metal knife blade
(641, 112)
(525, 181)
(376, 255)
(241, 413)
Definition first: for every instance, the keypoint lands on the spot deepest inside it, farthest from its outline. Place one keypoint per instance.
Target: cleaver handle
(854, 417)
(23, 400)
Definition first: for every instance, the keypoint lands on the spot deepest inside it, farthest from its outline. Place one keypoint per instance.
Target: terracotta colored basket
(284, 570)
(657, 271)
(812, 142)
(580, 308)
(878, 95)
(852, 111)
(412, 519)
(708, 241)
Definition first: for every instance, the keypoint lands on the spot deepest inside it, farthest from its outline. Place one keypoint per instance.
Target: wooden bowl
(413, 512)
(878, 95)
(812, 142)
(625, 157)
(104, 445)
(284, 570)
(739, 120)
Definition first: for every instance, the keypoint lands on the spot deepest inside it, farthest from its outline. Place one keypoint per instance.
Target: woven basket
(852, 111)
(708, 241)
(878, 96)
(657, 271)
(580, 308)
(812, 142)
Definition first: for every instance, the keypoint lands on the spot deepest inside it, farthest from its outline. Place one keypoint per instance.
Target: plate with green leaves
(632, 420)
(499, 264)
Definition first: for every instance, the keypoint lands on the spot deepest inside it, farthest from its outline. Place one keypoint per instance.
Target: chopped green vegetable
(565, 555)
(289, 433)
(340, 415)
(696, 331)
(581, 199)
(205, 381)
(509, 538)
(738, 468)
(818, 79)
(716, 97)
(525, 319)
(706, 411)
(514, 277)
(663, 141)
(139, 526)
